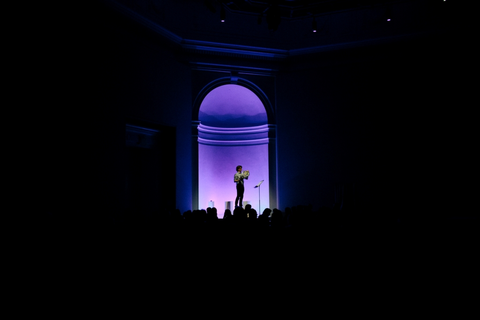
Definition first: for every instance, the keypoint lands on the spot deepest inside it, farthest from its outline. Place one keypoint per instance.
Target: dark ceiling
(289, 24)
(291, 9)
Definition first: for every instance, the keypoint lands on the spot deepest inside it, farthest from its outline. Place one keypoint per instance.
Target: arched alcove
(232, 128)
(232, 105)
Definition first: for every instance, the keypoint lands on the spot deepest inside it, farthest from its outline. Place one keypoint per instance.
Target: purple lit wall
(232, 105)
(233, 131)
(216, 170)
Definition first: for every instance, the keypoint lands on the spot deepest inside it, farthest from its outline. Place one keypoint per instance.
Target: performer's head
(239, 168)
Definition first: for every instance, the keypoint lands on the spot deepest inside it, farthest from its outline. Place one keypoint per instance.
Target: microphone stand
(258, 186)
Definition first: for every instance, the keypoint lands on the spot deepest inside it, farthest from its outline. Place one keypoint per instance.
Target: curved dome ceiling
(232, 105)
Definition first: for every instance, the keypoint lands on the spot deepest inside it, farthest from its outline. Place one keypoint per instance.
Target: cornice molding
(228, 68)
(355, 44)
(220, 136)
(129, 13)
(232, 49)
(140, 137)
(231, 143)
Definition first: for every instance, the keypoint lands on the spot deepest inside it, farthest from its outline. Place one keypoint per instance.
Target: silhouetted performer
(238, 179)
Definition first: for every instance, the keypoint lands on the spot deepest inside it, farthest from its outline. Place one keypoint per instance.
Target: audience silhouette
(300, 220)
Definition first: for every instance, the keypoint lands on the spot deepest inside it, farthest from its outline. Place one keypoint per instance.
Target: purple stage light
(233, 131)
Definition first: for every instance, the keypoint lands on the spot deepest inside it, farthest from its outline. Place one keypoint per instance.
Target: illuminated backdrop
(233, 131)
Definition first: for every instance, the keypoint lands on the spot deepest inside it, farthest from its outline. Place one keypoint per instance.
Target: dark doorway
(150, 178)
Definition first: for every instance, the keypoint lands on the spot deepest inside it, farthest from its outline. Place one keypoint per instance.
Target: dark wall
(370, 117)
(105, 71)
(156, 89)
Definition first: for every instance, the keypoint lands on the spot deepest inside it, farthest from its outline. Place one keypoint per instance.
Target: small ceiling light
(388, 15)
(314, 25)
(222, 14)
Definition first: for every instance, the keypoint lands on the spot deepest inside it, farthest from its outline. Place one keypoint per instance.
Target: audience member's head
(239, 213)
(227, 214)
(266, 212)
(252, 214)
